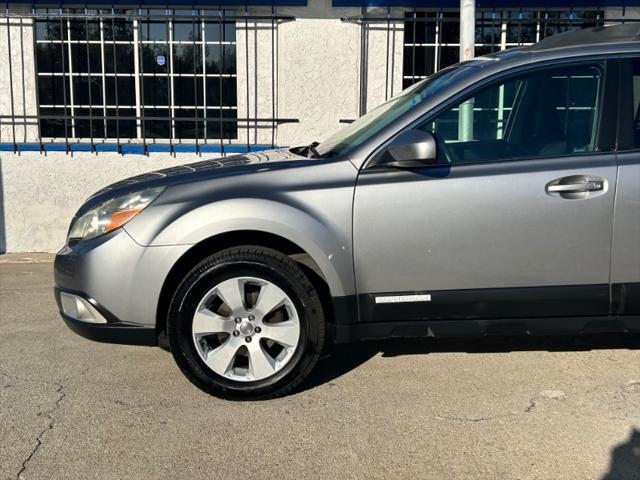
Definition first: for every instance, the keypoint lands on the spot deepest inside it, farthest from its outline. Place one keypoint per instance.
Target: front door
(515, 221)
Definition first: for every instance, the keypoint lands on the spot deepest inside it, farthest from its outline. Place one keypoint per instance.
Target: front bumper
(117, 283)
(111, 331)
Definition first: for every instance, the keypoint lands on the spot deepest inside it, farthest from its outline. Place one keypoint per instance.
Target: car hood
(218, 167)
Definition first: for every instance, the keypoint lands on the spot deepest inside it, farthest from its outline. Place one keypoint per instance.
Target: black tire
(247, 261)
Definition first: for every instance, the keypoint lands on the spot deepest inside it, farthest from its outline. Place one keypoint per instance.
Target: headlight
(112, 214)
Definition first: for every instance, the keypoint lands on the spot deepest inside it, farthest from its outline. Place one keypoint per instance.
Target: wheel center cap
(246, 327)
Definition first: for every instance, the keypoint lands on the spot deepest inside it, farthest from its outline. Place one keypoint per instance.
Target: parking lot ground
(502, 408)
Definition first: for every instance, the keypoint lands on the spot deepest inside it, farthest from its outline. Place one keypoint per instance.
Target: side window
(548, 112)
(630, 105)
(636, 102)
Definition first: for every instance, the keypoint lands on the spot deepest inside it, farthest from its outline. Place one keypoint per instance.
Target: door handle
(576, 187)
(583, 187)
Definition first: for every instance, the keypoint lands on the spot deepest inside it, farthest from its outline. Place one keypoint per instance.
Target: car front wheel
(246, 323)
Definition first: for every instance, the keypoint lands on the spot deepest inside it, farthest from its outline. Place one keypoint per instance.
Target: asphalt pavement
(503, 408)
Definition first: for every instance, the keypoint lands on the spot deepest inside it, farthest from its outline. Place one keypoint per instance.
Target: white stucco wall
(317, 70)
(385, 47)
(41, 193)
(17, 69)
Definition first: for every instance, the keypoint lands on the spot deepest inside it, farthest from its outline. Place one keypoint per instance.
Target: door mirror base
(410, 149)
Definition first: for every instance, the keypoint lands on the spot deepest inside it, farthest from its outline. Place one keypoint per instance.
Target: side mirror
(410, 149)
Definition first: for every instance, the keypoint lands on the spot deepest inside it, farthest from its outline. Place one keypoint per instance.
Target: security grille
(123, 76)
(432, 38)
(167, 72)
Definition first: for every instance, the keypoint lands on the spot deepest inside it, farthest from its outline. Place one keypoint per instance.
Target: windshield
(374, 121)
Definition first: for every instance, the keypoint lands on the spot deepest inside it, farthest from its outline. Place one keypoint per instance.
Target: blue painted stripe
(28, 147)
(182, 148)
(236, 149)
(81, 147)
(158, 148)
(210, 149)
(261, 148)
(54, 147)
(135, 149)
(132, 149)
(106, 147)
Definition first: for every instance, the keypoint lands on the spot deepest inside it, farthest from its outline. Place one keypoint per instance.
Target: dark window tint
(101, 55)
(154, 124)
(549, 112)
(187, 31)
(54, 123)
(189, 123)
(121, 92)
(155, 58)
(53, 90)
(51, 58)
(87, 90)
(567, 21)
(485, 50)
(220, 31)
(188, 91)
(51, 29)
(156, 91)
(220, 59)
(118, 29)
(84, 30)
(86, 58)
(488, 26)
(418, 62)
(630, 105)
(420, 30)
(121, 127)
(228, 87)
(449, 56)
(187, 58)
(154, 30)
(521, 27)
(118, 58)
(93, 126)
(450, 27)
(222, 121)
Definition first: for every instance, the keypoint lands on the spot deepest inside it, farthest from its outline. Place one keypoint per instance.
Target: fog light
(80, 309)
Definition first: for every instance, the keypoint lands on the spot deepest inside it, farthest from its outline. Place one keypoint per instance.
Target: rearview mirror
(410, 149)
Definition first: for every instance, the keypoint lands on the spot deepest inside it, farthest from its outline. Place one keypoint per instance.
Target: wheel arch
(218, 242)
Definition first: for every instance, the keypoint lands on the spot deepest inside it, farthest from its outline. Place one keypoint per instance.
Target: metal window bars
(124, 94)
(431, 36)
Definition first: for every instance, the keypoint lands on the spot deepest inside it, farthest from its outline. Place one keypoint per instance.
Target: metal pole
(467, 52)
(467, 29)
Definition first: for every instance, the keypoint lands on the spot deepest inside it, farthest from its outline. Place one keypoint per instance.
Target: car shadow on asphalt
(625, 459)
(343, 358)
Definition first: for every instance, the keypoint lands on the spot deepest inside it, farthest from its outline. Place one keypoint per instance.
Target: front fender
(326, 239)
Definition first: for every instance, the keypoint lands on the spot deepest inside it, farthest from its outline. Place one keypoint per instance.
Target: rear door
(516, 222)
(625, 269)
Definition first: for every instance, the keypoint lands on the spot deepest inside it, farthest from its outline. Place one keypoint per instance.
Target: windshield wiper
(312, 149)
(309, 151)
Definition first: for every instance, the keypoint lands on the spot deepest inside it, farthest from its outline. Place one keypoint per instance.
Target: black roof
(614, 34)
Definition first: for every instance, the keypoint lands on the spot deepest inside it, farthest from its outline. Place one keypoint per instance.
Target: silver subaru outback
(498, 196)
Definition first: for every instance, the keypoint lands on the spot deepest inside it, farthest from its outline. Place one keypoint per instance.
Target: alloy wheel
(246, 329)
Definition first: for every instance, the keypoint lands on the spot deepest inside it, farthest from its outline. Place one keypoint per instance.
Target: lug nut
(238, 320)
(236, 333)
(252, 318)
(247, 339)
(258, 329)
